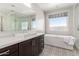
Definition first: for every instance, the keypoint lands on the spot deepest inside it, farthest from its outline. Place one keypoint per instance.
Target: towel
(69, 40)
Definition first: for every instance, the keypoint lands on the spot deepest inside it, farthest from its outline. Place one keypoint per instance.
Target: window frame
(53, 18)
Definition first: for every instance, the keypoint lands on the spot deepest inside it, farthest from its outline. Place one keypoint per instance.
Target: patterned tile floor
(55, 51)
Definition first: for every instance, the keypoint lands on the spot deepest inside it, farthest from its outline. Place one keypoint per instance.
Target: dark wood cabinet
(31, 47)
(9, 51)
(14, 54)
(25, 48)
(38, 45)
(41, 43)
(35, 46)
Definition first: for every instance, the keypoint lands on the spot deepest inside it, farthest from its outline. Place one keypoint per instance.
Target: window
(58, 22)
(33, 24)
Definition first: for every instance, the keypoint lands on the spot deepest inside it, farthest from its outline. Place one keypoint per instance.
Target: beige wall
(76, 25)
(40, 19)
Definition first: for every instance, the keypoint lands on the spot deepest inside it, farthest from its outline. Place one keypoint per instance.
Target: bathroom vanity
(31, 46)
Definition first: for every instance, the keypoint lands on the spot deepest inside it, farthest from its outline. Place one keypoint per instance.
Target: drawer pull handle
(5, 53)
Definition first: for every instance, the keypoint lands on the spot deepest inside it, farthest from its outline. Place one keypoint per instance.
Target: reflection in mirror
(33, 23)
(8, 22)
(16, 17)
(21, 24)
(12, 22)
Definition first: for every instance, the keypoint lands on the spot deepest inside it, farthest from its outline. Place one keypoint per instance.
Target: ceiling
(20, 8)
(51, 6)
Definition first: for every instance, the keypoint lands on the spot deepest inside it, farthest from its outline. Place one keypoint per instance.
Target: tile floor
(55, 51)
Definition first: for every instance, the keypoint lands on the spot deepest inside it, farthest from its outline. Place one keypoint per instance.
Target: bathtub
(58, 41)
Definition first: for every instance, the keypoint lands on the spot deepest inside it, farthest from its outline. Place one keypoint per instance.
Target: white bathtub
(57, 40)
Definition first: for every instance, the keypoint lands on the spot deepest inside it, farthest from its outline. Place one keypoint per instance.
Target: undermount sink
(26, 34)
(29, 34)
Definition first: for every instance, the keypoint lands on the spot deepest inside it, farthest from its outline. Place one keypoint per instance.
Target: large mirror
(16, 17)
(13, 23)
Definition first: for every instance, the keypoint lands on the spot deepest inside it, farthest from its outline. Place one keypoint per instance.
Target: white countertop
(7, 41)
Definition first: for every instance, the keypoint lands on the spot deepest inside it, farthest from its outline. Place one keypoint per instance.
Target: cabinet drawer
(26, 43)
(8, 50)
(14, 54)
(41, 37)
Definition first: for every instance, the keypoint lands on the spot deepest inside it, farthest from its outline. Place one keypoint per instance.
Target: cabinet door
(25, 48)
(35, 46)
(40, 43)
(9, 51)
(14, 54)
